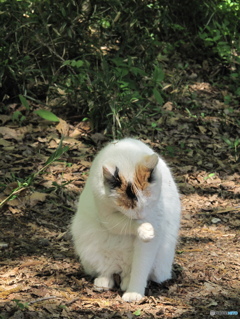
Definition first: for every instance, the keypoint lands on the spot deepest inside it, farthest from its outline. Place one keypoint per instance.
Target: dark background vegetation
(107, 61)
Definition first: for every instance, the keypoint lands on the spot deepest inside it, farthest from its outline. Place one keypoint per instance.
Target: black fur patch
(115, 180)
(130, 193)
(151, 176)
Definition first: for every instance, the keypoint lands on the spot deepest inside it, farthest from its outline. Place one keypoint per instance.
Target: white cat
(128, 218)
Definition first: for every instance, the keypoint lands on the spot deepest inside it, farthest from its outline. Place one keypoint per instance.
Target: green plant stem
(14, 192)
(29, 180)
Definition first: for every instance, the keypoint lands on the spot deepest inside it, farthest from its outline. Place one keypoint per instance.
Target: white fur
(139, 244)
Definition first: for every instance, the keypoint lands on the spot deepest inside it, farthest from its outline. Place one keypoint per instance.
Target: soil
(40, 274)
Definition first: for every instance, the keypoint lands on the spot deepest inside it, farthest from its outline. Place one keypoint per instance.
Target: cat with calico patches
(128, 218)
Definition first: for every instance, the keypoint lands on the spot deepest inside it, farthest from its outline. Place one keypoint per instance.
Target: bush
(101, 58)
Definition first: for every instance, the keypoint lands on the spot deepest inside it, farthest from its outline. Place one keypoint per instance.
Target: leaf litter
(40, 275)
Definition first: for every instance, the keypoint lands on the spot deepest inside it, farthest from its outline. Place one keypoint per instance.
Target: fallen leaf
(98, 138)
(26, 129)
(14, 202)
(14, 210)
(5, 118)
(168, 106)
(4, 142)
(9, 148)
(9, 133)
(10, 188)
(53, 144)
(76, 133)
(37, 197)
(202, 129)
(62, 127)
(6, 292)
(29, 263)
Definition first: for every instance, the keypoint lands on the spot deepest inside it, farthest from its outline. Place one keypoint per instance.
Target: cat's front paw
(132, 296)
(125, 283)
(146, 232)
(103, 283)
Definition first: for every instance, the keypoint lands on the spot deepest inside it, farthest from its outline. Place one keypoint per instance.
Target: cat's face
(131, 196)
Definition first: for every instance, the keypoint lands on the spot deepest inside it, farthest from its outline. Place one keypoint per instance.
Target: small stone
(215, 220)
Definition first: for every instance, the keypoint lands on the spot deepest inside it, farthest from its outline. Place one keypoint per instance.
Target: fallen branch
(43, 299)
(221, 210)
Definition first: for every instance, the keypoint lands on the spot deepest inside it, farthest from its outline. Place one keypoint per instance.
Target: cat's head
(130, 194)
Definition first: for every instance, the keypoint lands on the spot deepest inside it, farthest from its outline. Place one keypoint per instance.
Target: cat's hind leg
(163, 263)
(103, 282)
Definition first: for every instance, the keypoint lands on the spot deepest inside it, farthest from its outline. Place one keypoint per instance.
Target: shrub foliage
(103, 58)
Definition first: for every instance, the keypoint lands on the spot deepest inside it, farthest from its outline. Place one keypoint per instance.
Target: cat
(128, 218)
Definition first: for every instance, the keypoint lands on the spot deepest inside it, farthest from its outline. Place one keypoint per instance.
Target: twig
(221, 211)
(43, 299)
(14, 192)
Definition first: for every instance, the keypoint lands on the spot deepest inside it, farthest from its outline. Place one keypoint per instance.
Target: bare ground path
(39, 274)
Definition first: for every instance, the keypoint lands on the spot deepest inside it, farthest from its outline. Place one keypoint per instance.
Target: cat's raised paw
(103, 283)
(132, 296)
(146, 232)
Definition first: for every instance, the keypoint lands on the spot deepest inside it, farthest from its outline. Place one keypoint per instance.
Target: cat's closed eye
(113, 180)
(151, 177)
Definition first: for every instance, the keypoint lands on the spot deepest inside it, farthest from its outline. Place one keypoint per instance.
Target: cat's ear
(111, 176)
(145, 170)
(107, 172)
(150, 161)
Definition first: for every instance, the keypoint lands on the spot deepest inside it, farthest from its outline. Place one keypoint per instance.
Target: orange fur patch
(144, 170)
(141, 177)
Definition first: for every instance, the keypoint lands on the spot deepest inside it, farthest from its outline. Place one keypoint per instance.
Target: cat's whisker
(130, 223)
(124, 223)
(127, 226)
(115, 226)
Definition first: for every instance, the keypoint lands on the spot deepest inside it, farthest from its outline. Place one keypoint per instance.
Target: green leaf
(180, 252)
(118, 61)
(47, 115)
(237, 142)
(157, 96)
(209, 176)
(158, 74)
(105, 23)
(16, 115)
(121, 72)
(226, 140)
(78, 63)
(24, 102)
(21, 305)
(137, 312)
(137, 71)
(74, 63)
(58, 153)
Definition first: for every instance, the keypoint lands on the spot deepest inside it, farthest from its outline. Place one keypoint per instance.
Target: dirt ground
(40, 276)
